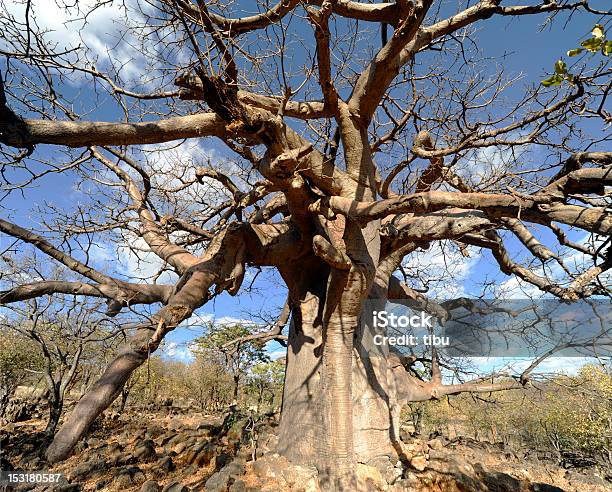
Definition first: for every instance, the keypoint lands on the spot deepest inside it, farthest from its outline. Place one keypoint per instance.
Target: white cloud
(175, 351)
(205, 318)
(277, 354)
(139, 262)
(444, 268)
(97, 27)
(515, 288)
(484, 164)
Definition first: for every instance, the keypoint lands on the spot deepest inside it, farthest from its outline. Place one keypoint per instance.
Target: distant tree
(209, 383)
(265, 382)
(223, 344)
(568, 415)
(61, 336)
(146, 384)
(18, 359)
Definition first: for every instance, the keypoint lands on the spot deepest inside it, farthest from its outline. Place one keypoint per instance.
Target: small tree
(208, 382)
(225, 344)
(60, 336)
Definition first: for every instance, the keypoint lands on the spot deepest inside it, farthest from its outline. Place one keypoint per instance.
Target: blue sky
(518, 45)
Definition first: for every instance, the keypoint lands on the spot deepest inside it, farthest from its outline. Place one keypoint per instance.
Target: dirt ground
(170, 451)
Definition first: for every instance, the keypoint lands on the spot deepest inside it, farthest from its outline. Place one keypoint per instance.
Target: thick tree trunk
(373, 405)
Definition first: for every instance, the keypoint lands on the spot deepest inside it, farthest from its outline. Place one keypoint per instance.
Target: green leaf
(560, 67)
(607, 48)
(593, 44)
(575, 52)
(553, 80)
(598, 31)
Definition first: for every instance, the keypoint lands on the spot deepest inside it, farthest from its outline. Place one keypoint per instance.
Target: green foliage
(208, 383)
(578, 417)
(149, 381)
(597, 43)
(265, 383)
(211, 381)
(218, 346)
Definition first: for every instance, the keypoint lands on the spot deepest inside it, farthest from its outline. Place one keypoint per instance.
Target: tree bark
(56, 405)
(312, 410)
(236, 387)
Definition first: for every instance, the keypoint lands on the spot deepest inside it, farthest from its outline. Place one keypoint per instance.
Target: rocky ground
(164, 449)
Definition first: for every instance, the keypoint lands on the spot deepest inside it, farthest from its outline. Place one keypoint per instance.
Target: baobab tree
(348, 155)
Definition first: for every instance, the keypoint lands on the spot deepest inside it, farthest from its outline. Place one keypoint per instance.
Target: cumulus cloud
(173, 350)
(206, 318)
(99, 28)
(444, 269)
(137, 261)
(483, 165)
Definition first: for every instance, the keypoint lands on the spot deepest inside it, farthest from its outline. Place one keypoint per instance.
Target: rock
(86, 470)
(20, 411)
(437, 443)
(501, 482)
(176, 487)
(206, 429)
(225, 478)
(238, 486)
(182, 445)
(166, 464)
(406, 432)
(92, 442)
(128, 477)
(169, 439)
(117, 458)
(276, 468)
(163, 467)
(114, 447)
(67, 487)
(405, 484)
(150, 486)
(221, 459)
(145, 451)
(418, 462)
(201, 454)
(371, 477)
(388, 470)
(414, 447)
(102, 484)
(544, 487)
